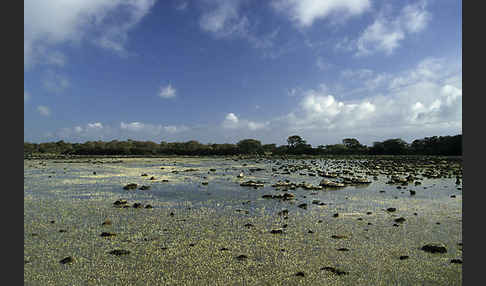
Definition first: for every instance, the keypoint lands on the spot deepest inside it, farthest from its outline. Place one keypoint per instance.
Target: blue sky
(221, 71)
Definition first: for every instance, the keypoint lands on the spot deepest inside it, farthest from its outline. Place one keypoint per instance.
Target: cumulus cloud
(49, 23)
(385, 33)
(426, 98)
(181, 5)
(167, 91)
(305, 12)
(43, 110)
(135, 130)
(223, 18)
(232, 121)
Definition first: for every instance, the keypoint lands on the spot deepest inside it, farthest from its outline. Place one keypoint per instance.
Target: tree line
(296, 145)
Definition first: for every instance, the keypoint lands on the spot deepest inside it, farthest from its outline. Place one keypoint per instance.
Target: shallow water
(213, 216)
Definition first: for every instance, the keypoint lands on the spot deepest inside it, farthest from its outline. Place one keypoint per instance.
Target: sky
(219, 71)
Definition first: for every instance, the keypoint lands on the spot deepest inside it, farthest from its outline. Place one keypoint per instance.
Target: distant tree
(395, 147)
(295, 140)
(248, 146)
(269, 147)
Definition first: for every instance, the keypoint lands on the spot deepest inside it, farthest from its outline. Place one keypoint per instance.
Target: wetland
(243, 221)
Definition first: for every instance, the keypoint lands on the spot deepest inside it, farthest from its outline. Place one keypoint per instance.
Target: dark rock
(391, 209)
(403, 257)
(400, 220)
(205, 183)
(224, 249)
(131, 186)
(368, 213)
(241, 257)
(453, 196)
(120, 202)
(248, 225)
(149, 207)
(343, 249)
(66, 260)
(338, 236)
(107, 234)
(457, 261)
(62, 230)
(152, 178)
(191, 244)
(144, 175)
(276, 231)
(283, 212)
(303, 206)
(119, 252)
(300, 274)
(434, 248)
(310, 231)
(52, 221)
(412, 193)
(335, 215)
(106, 222)
(143, 188)
(334, 270)
(137, 205)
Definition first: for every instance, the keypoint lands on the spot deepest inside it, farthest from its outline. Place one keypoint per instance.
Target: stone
(403, 257)
(106, 222)
(457, 261)
(303, 206)
(143, 188)
(66, 260)
(434, 248)
(276, 231)
(131, 186)
(400, 219)
(300, 274)
(107, 234)
(119, 252)
(241, 257)
(334, 270)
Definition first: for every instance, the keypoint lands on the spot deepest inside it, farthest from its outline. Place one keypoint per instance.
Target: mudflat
(243, 221)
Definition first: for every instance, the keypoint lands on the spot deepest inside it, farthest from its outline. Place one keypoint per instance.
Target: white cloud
(224, 19)
(49, 23)
(231, 121)
(426, 100)
(167, 91)
(305, 12)
(43, 110)
(385, 33)
(181, 5)
(133, 126)
(96, 125)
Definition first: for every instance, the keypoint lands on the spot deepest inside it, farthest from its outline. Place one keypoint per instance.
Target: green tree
(249, 146)
(295, 141)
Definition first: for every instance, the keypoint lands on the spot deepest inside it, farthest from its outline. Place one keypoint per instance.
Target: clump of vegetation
(296, 145)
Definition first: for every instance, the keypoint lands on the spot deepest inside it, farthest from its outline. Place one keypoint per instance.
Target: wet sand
(202, 242)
